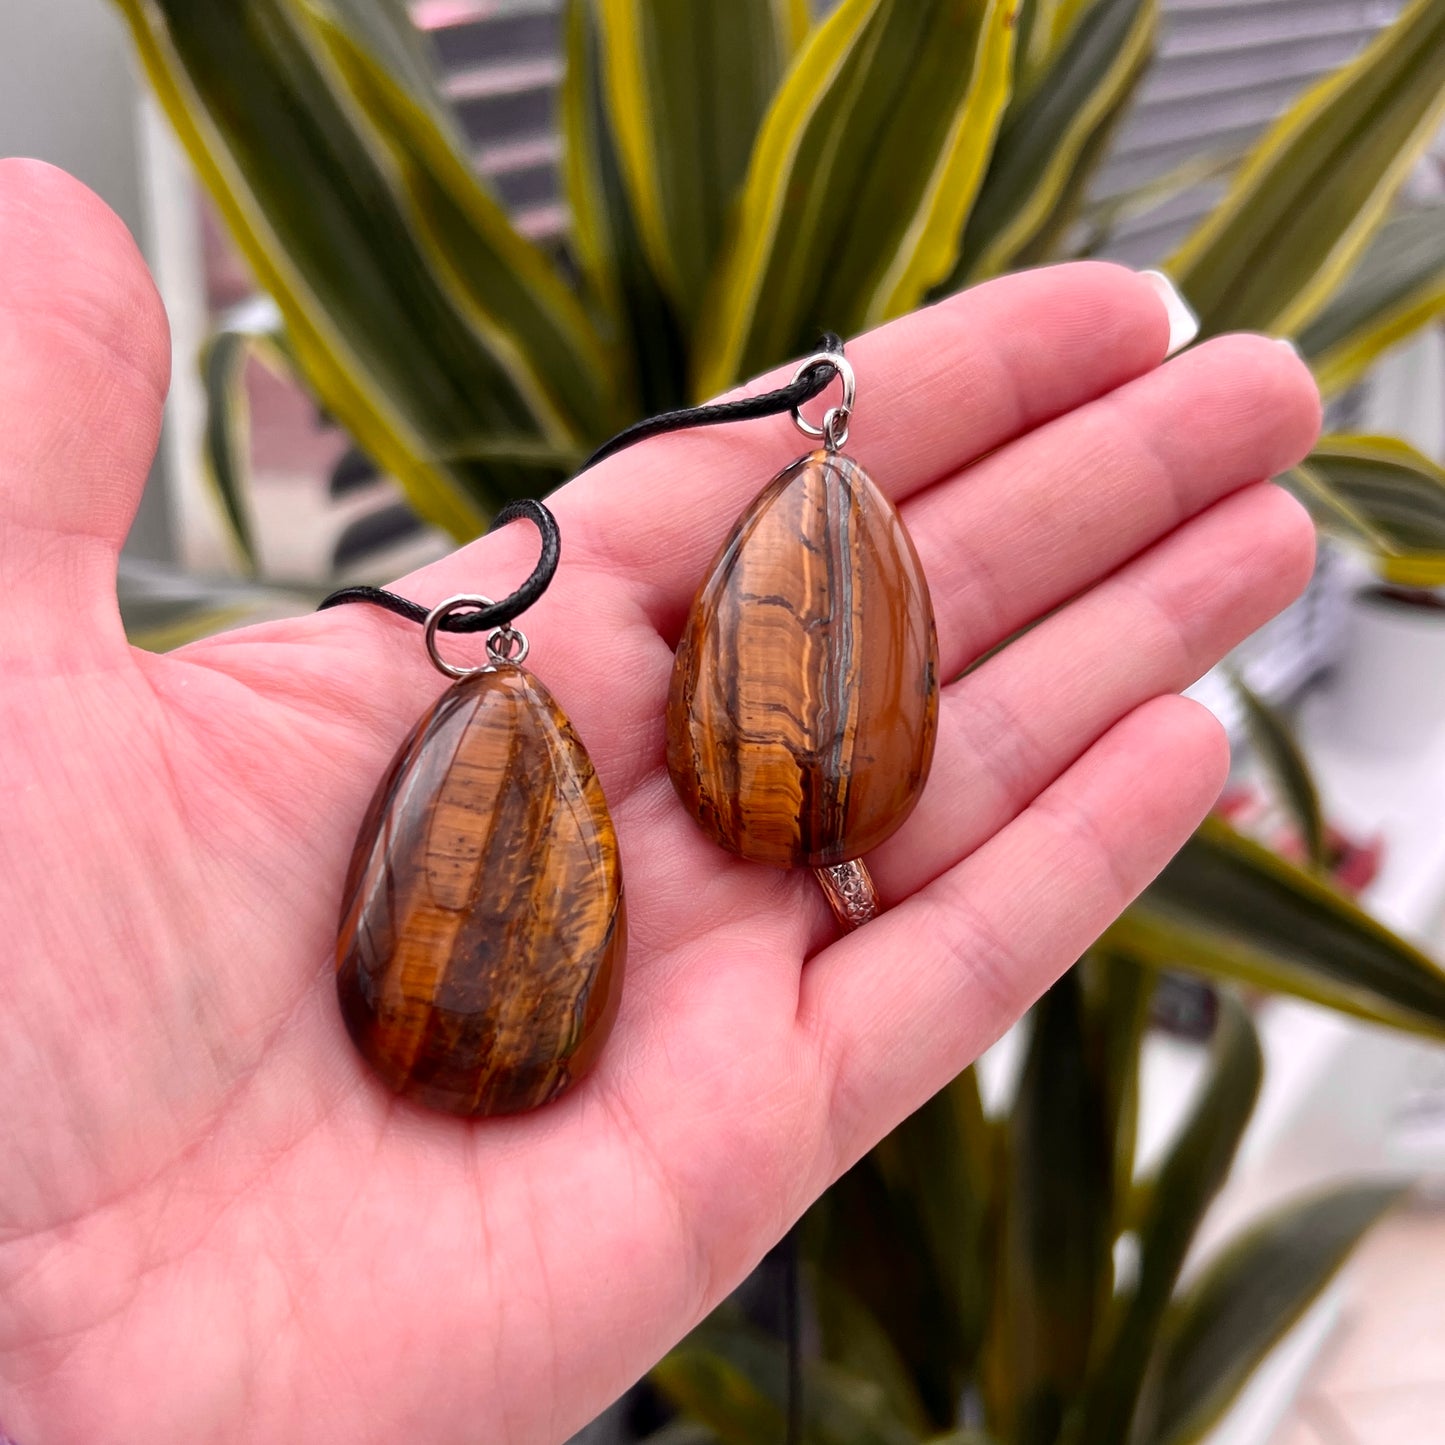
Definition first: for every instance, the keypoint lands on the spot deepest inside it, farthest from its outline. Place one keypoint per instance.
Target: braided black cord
(509, 608)
(497, 614)
(748, 408)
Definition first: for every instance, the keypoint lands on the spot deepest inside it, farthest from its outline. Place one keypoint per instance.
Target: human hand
(215, 1225)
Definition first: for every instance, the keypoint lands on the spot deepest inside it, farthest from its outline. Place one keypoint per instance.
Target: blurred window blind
(501, 63)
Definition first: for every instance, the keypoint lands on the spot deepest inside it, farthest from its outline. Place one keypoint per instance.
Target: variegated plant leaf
(1055, 1223)
(1317, 187)
(1284, 763)
(906, 1234)
(734, 1379)
(342, 217)
(1191, 1176)
(826, 237)
(163, 608)
(1228, 908)
(1044, 28)
(227, 442)
(687, 86)
(638, 319)
(1385, 496)
(1397, 287)
(511, 293)
(1036, 174)
(1247, 1298)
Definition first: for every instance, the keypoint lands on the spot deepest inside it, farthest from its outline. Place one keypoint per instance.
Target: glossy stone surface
(483, 930)
(804, 701)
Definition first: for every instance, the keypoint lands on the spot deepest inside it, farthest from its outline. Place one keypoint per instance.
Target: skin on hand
(215, 1225)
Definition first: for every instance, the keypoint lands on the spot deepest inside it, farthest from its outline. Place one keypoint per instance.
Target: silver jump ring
(508, 644)
(834, 431)
(439, 614)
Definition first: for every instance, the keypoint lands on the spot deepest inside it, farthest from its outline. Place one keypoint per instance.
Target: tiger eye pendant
(804, 702)
(483, 929)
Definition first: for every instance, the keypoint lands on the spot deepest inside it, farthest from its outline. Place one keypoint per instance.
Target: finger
(936, 389)
(1007, 730)
(894, 1011)
(1032, 524)
(84, 364)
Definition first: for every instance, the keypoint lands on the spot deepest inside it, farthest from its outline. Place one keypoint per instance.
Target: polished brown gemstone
(804, 701)
(483, 930)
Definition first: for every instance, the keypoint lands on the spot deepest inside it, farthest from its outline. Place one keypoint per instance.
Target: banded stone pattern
(804, 700)
(483, 929)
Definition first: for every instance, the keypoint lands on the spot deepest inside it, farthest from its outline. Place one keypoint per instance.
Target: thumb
(84, 364)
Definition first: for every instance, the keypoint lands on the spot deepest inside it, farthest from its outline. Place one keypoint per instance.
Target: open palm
(215, 1225)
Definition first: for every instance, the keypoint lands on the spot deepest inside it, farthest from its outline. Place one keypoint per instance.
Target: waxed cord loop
(494, 614)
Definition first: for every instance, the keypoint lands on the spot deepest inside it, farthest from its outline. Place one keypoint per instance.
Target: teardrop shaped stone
(483, 930)
(804, 702)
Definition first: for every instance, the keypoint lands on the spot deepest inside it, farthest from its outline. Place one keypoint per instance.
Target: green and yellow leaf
(907, 1233)
(1246, 1300)
(387, 30)
(683, 1432)
(513, 296)
(1191, 1176)
(1227, 908)
(1397, 287)
(1317, 187)
(606, 240)
(1117, 994)
(937, 1165)
(1033, 42)
(829, 239)
(855, 1341)
(1102, 218)
(1043, 26)
(1035, 176)
(1384, 495)
(1055, 239)
(227, 443)
(733, 1379)
(337, 231)
(162, 608)
(1056, 1212)
(687, 85)
(1280, 754)
(797, 22)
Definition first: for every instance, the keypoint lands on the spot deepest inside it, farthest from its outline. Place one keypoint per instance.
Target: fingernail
(1289, 346)
(1183, 323)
